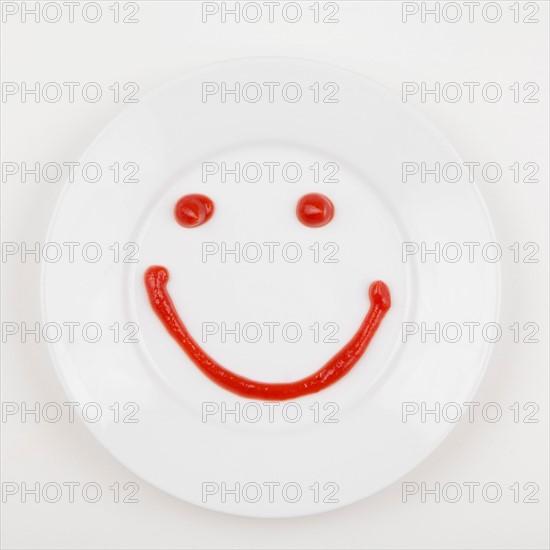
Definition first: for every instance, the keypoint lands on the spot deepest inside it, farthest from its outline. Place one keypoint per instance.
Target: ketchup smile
(155, 280)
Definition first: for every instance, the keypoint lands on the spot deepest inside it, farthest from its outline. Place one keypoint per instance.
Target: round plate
(264, 295)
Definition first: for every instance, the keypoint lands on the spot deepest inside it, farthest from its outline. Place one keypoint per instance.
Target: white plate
(368, 133)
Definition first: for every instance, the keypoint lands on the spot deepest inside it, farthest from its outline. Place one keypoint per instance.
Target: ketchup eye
(315, 210)
(193, 210)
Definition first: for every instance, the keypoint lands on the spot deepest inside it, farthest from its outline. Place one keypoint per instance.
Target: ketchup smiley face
(313, 210)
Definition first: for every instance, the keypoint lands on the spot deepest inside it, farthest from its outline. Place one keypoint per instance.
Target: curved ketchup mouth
(339, 365)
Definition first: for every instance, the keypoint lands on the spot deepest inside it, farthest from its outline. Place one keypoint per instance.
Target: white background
(370, 38)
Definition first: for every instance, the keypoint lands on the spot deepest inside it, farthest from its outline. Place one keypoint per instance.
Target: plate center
(264, 295)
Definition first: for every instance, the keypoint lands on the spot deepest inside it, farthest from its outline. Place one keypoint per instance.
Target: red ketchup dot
(315, 210)
(193, 210)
